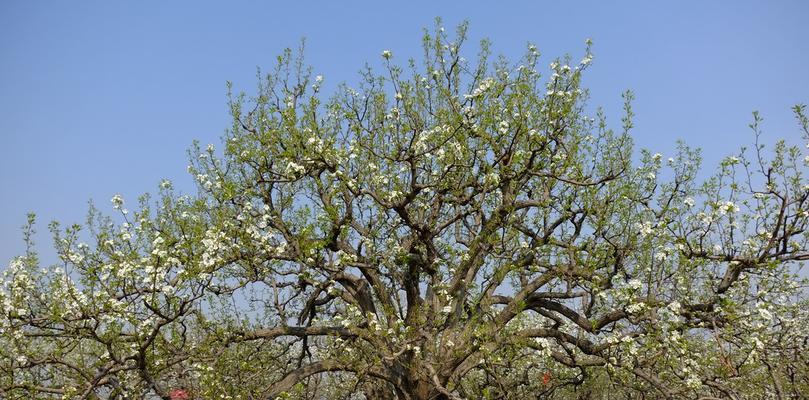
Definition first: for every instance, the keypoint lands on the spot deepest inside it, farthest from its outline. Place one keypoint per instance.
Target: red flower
(546, 378)
(179, 394)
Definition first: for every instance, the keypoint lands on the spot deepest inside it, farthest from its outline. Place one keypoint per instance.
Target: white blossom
(728, 208)
(117, 201)
(293, 168)
(644, 228)
(484, 86)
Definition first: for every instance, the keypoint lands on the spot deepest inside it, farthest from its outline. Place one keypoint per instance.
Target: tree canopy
(449, 228)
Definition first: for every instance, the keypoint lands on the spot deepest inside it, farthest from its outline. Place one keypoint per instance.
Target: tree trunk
(420, 389)
(415, 383)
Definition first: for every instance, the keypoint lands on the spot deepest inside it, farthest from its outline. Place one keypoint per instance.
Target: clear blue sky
(103, 97)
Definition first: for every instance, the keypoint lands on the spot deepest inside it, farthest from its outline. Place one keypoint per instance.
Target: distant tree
(448, 229)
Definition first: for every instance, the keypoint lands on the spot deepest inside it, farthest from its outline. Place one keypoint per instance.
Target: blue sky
(99, 98)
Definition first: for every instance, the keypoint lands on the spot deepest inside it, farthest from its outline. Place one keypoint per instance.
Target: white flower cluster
(644, 228)
(393, 195)
(636, 308)
(17, 282)
(560, 93)
(669, 315)
(294, 169)
(214, 244)
(545, 346)
(503, 127)
(484, 86)
(491, 179)
(705, 219)
(727, 207)
(663, 254)
(117, 201)
(315, 142)
(318, 82)
(423, 138)
(623, 293)
(205, 181)
(634, 284)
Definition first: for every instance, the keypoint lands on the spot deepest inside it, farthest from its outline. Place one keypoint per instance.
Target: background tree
(448, 229)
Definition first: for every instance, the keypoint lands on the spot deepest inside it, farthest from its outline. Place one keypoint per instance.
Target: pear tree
(447, 228)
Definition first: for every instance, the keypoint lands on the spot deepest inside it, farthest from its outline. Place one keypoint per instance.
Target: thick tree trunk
(412, 383)
(420, 389)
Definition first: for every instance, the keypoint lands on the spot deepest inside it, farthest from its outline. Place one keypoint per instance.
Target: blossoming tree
(449, 229)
